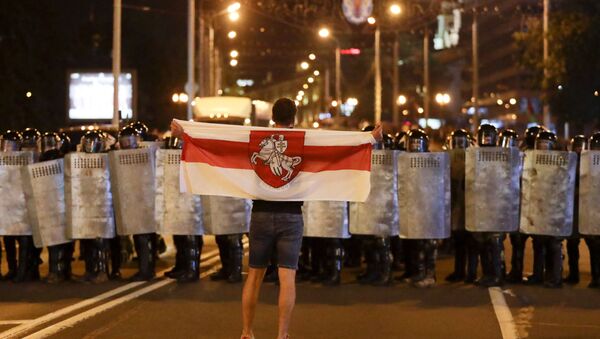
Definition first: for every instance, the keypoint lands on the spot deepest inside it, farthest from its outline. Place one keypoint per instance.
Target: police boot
(573, 255)
(472, 259)
(223, 272)
(191, 269)
(384, 263)
(100, 269)
(537, 278)
(430, 258)
(371, 257)
(460, 257)
(406, 258)
(10, 245)
(179, 241)
(396, 248)
(554, 278)
(69, 249)
(419, 257)
(515, 275)
(146, 254)
(27, 269)
(56, 257)
(236, 256)
(494, 250)
(353, 249)
(335, 258)
(115, 258)
(593, 244)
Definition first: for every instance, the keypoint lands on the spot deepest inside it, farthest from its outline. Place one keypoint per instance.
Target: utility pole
(377, 75)
(546, 107)
(190, 86)
(395, 84)
(475, 47)
(116, 60)
(201, 53)
(426, 89)
(211, 57)
(338, 75)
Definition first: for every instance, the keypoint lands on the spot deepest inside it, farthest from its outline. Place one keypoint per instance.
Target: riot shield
(14, 218)
(325, 219)
(44, 187)
(88, 197)
(547, 193)
(457, 189)
(176, 213)
(424, 199)
(225, 215)
(589, 193)
(492, 189)
(133, 190)
(378, 215)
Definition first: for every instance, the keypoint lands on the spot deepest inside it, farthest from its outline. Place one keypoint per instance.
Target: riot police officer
(61, 255)
(10, 141)
(518, 239)
(463, 245)
(144, 243)
(551, 246)
(423, 251)
(489, 243)
(577, 145)
(593, 241)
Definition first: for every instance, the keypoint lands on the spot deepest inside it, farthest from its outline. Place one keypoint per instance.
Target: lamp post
(190, 86)
(475, 47)
(546, 107)
(426, 99)
(395, 10)
(325, 33)
(377, 75)
(116, 60)
(213, 77)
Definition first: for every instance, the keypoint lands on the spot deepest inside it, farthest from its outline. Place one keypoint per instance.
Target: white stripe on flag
(338, 185)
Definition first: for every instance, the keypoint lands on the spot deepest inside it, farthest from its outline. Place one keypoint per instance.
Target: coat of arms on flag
(276, 157)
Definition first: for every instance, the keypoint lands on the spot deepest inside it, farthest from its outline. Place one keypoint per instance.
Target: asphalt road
(165, 309)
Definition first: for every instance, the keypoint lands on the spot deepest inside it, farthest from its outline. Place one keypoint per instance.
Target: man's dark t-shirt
(292, 207)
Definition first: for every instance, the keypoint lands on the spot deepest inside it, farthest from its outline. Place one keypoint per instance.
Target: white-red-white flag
(275, 164)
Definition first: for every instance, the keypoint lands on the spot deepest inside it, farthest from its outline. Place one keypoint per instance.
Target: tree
(573, 64)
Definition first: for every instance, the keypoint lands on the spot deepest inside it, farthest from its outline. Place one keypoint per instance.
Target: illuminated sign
(449, 23)
(357, 11)
(91, 96)
(350, 51)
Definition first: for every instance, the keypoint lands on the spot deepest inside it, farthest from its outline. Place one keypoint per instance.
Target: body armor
(378, 215)
(176, 213)
(547, 193)
(492, 189)
(325, 219)
(44, 192)
(425, 200)
(88, 196)
(13, 206)
(132, 185)
(225, 215)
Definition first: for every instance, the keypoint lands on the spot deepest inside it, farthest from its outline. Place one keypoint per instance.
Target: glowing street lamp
(310, 80)
(371, 20)
(395, 9)
(183, 97)
(233, 62)
(401, 100)
(234, 54)
(324, 32)
(232, 34)
(312, 56)
(234, 7)
(442, 98)
(175, 97)
(305, 86)
(304, 65)
(234, 16)
(316, 73)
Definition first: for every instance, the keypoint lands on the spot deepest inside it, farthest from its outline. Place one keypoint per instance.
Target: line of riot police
(100, 196)
(479, 190)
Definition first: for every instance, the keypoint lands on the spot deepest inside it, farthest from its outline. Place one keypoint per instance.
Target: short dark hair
(284, 111)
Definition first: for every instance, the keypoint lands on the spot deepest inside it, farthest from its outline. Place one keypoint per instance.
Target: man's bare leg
(250, 298)
(287, 299)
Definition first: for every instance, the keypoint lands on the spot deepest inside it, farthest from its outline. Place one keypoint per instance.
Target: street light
(234, 16)
(310, 80)
(175, 97)
(183, 97)
(312, 56)
(316, 73)
(334, 103)
(234, 54)
(304, 65)
(352, 101)
(305, 86)
(232, 34)
(233, 62)
(324, 32)
(395, 9)
(371, 20)
(401, 100)
(442, 98)
(234, 7)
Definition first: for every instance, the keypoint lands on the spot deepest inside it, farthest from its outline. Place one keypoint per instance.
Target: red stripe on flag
(234, 154)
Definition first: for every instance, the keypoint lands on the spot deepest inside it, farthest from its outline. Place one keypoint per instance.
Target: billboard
(91, 95)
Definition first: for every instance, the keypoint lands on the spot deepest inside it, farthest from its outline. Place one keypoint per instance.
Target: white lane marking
(70, 322)
(23, 328)
(505, 318)
(13, 322)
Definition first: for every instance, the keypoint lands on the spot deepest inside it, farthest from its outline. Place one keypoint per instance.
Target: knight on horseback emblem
(272, 153)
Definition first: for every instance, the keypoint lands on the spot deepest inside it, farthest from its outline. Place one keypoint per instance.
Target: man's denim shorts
(275, 238)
